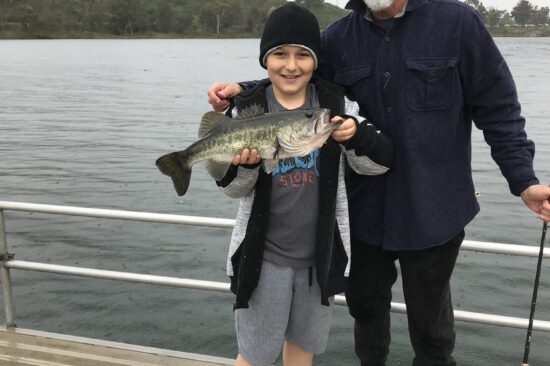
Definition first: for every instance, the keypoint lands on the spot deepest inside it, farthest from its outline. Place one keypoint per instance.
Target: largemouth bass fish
(274, 135)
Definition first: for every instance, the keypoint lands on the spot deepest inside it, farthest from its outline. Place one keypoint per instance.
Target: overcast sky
(499, 4)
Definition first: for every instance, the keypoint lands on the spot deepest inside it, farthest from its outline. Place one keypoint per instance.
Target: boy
(289, 251)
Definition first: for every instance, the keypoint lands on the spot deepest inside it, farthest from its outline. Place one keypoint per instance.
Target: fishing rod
(534, 301)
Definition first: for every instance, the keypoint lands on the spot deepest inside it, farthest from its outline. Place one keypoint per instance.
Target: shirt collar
(359, 5)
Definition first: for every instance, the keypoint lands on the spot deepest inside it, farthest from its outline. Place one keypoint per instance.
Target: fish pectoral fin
(270, 164)
(216, 169)
(293, 146)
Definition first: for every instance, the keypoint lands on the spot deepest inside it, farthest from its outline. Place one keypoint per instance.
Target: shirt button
(387, 39)
(387, 74)
(388, 109)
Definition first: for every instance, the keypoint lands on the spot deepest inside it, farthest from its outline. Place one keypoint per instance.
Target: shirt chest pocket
(351, 78)
(430, 83)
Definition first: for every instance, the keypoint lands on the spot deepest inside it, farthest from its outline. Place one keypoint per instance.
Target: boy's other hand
(345, 131)
(220, 93)
(248, 157)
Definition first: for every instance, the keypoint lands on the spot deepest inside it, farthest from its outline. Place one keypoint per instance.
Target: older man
(422, 70)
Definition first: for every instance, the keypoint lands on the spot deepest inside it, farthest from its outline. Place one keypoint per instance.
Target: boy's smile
(290, 69)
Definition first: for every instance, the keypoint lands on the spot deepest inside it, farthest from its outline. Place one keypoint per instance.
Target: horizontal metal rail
(224, 287)
(467, 245)
(119, 276)
(499, 248)
(117, 214)
(482, 318)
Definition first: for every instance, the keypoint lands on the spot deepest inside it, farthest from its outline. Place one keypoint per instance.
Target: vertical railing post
(5, 275)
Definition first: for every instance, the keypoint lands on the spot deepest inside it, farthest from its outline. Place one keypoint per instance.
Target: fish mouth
(323, 124)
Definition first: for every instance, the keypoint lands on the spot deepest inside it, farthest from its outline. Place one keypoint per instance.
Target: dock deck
(28, 347)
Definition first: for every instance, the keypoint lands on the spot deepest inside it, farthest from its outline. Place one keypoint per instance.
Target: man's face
(378, 5)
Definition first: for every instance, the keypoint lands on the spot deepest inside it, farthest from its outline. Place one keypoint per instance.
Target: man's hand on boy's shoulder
(219, 95)
(346, 130)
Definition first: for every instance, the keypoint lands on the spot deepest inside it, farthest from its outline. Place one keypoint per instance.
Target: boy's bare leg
(294, 355)
(240, 361)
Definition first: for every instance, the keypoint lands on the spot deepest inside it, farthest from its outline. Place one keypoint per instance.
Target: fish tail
(171, 166)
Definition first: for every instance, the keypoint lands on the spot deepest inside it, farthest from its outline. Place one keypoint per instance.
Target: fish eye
(309, 114)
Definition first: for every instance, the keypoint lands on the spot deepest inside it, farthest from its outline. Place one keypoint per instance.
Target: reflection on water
(82, 122)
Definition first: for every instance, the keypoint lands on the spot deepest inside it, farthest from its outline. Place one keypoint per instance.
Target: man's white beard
(378, 5)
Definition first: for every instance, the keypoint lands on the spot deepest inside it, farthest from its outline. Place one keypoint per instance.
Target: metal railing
(7, 262)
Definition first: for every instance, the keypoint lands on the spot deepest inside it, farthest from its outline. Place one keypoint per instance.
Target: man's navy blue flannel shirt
(422, 83)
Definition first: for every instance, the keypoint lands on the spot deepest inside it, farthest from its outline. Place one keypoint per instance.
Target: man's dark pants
(425, 275)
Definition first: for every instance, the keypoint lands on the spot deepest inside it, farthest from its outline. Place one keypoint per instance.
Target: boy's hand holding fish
(345, 131)
(247, 157)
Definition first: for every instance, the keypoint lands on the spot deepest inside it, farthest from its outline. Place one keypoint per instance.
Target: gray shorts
(282, 307)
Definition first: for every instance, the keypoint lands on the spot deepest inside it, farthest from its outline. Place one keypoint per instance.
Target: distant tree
(213, 14)
(145, 16)
(327, 14)
(164, 23)
(235, 20)
(494, 17)
(183, 19)
(523, 12)
(483, 12)
(541, 16)
(54, 18)
(128, 16)
(46, 21)
(96, 16)
(311, 4)
(257, 16)
(507, 19)
(7, 6)
(254, 21)
(67, 15)
(25, 15)
(478, 5)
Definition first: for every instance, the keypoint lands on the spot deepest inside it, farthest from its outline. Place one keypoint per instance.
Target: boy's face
(290, 68)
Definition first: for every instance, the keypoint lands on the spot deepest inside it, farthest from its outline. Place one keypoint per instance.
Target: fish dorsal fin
(216, 169)
(211, 120)
(254, 110)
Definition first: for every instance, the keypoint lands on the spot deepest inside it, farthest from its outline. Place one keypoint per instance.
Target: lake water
(82, 122)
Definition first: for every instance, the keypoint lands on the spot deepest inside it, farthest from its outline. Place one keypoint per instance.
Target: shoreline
(519, 31)
(512, 31)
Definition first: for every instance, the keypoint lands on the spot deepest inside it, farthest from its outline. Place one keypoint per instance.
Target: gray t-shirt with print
(290, 238)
